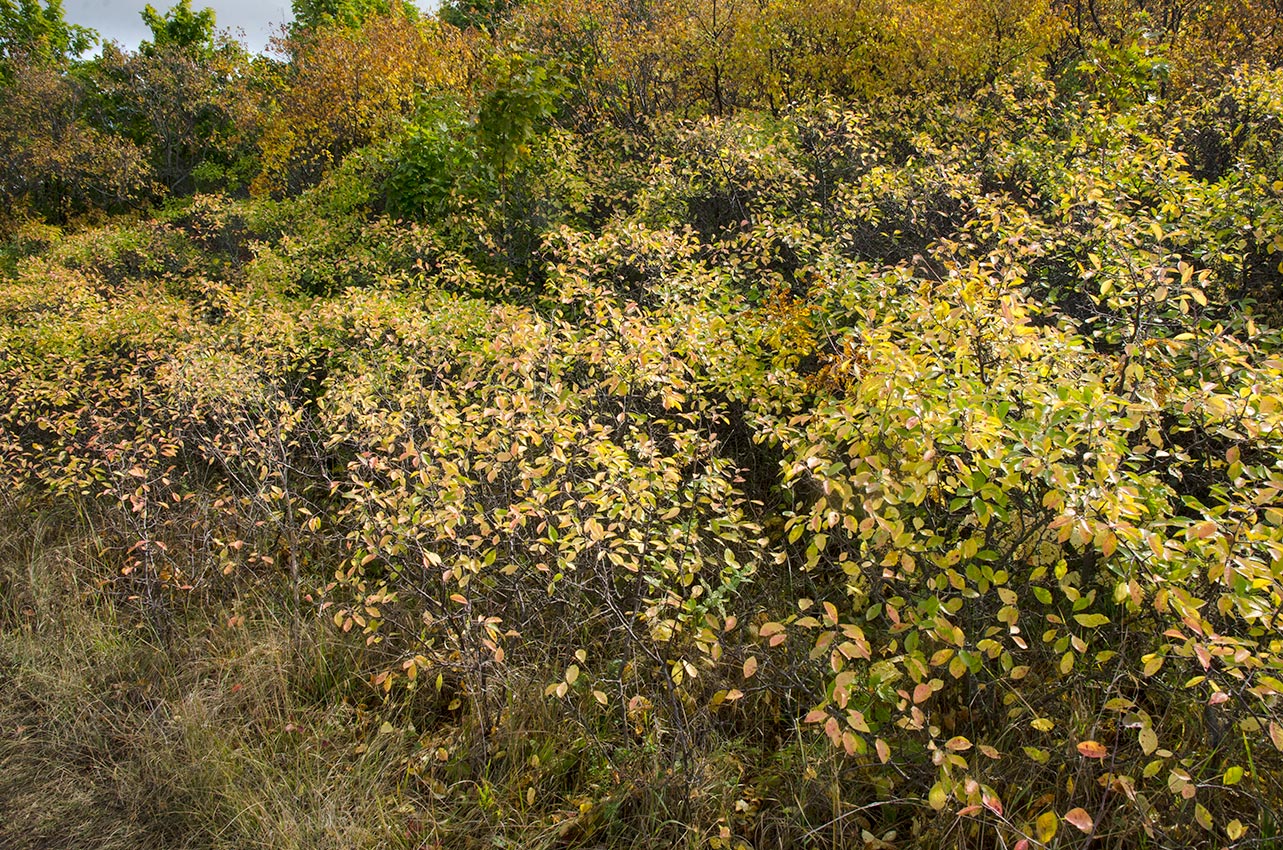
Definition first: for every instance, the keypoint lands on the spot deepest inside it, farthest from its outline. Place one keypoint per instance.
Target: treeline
(192, 111)
(700, 423)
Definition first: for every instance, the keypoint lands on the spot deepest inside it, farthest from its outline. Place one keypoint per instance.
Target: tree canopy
(180, 27)
(37, 31)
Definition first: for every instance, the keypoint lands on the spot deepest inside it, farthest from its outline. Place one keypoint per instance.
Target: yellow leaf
(750, 666)
(1046, 827)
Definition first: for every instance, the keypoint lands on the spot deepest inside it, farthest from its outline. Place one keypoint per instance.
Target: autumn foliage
(349, 87)
(679, 423)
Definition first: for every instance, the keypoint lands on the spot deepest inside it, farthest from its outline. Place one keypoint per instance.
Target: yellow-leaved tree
(351, 86)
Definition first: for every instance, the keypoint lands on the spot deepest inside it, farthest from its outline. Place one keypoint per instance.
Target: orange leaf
(1204, 530)
(1092, 750)
(750, 666)
(992, 803)
(1080, 819)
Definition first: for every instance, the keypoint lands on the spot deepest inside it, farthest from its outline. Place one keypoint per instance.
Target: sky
(119, 20)
(253, 22)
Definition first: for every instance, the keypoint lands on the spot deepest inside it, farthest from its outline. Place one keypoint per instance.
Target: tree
(187, 100)
(316, 15)
(611, 53)
(351, 87)
(478, 14)
(53, 159)
(1201, 39)
(39, 33)
(179, 27)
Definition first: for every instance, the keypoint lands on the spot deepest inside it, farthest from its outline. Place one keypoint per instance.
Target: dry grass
(264, 734)
(217, 740)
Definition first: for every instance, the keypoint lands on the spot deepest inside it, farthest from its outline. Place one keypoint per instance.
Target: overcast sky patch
(252, 21)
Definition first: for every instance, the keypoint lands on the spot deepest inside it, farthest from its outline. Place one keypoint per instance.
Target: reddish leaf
(1078, 817)
(992, 803)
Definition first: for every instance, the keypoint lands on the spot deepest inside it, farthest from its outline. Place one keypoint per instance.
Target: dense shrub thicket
(679, 424)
